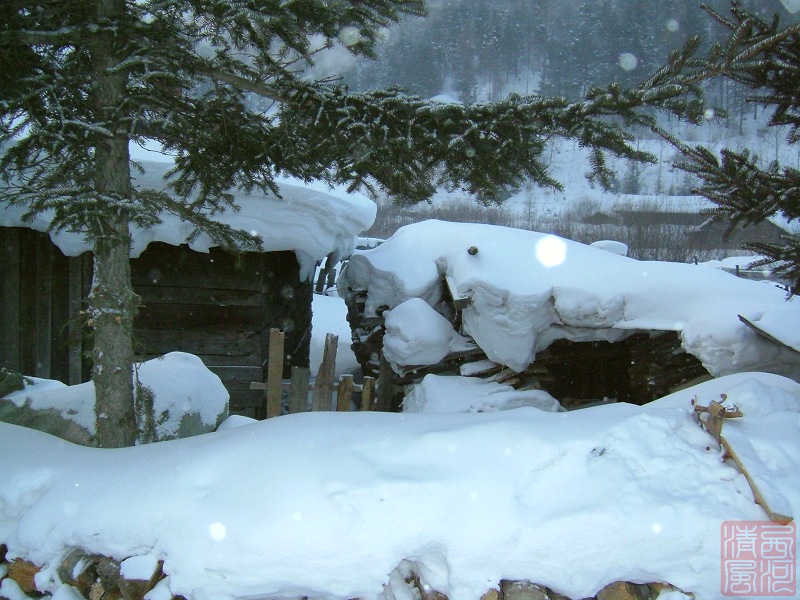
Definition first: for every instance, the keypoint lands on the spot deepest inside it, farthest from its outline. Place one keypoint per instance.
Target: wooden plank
(153, 294)
(9, 333)
(385, 386)
(245, 398)
(215, 361)
(59, 358)
(198, 316)
(80, 275)
(766, 334)
(236, 377)
(323, 386)
(27, 303)
(246, 404)
(368, 393)
(344, 394)
(298, 390)
(236, 346)
(458, 301)
(322, 278)
(43, 334)
(275, 373)
(179, 266)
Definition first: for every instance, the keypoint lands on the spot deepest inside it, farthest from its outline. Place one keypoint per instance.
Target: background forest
(482, 50)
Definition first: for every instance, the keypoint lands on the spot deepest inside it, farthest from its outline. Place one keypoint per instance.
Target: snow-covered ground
(340, 506)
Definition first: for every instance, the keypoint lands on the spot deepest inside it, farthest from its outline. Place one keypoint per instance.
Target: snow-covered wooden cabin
(195, 298)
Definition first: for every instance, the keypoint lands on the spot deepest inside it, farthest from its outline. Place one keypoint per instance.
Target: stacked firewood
(93, 577)
(638, 369)
(99, 578)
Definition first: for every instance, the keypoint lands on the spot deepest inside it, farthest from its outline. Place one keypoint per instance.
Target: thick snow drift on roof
(327, 505)
(418, 335)
(528, 289)
(310, 219)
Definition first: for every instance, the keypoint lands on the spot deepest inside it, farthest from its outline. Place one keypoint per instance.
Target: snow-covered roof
(528, 289)
(310, 219)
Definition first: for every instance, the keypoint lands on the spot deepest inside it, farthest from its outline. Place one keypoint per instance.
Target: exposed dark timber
(217, 305)
(639, 369)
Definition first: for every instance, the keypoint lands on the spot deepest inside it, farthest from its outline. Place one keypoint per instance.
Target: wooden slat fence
(292, 396)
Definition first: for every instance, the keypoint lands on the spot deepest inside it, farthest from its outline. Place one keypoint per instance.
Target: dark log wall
(218, 306)
(41, 299)
(221, 306)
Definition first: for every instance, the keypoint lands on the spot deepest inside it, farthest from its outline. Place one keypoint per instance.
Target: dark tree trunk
(112, 303)
(112, 306)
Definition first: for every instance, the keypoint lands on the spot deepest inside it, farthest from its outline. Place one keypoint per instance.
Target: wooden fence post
(298, 390)
(323, 386)
(322, 391)
(367, 393)
(344, 394)
(385, 385)
(275, 373)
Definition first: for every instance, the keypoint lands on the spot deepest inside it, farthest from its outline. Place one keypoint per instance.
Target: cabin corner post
(286, 305)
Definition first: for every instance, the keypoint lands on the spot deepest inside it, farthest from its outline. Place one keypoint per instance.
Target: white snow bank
(310, 219)
(528, 289)
(180, 382)
(418, 335)
(611, 246)
(732, 262)
(327, 505)
(330, 316)
(448, 394)
(779, 323)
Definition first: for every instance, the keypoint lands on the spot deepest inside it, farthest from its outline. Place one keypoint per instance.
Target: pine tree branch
(246, 84)
(67, 36)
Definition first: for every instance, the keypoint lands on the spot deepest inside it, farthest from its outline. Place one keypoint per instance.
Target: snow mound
(328, 505)
(611, 246)
(442, 394)
(418, 335)
(528, 289)
(182, 387)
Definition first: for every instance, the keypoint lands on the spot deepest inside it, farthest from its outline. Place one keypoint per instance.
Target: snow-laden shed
(194, 298)
(575, 320)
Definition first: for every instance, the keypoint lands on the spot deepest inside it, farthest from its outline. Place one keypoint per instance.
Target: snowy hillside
(654, 184)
